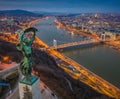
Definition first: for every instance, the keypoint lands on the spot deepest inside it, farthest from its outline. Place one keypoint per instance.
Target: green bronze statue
(26, 39)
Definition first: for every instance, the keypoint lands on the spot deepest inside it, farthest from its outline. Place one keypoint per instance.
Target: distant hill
(18, 13)
(50, 13)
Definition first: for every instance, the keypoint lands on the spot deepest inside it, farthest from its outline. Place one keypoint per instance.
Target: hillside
(54, 77)
(18, 13)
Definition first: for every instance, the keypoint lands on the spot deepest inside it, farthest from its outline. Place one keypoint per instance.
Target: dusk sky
(68, 6)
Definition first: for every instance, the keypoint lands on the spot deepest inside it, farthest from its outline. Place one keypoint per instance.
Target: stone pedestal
(30, 90)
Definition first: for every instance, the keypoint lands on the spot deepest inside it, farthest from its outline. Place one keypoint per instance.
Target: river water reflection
(101, 59)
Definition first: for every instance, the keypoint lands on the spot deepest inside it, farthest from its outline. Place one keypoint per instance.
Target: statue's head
(26, 41)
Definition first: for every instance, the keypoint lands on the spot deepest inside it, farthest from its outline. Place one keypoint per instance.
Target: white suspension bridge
(71, 44)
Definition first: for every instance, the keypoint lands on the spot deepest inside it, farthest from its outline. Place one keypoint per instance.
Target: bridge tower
(54, 43)
(103, 36)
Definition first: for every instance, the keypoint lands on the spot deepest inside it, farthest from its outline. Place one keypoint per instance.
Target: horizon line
(62, 12)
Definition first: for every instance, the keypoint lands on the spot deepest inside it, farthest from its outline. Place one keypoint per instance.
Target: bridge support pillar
(55, 43)
(30, 90)
(103, 36)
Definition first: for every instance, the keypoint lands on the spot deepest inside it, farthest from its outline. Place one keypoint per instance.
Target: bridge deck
(85, 75)
(75, 44)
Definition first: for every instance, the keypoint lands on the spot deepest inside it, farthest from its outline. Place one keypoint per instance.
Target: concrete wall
(5, 72)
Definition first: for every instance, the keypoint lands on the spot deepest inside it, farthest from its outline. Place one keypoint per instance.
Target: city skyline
(63, 6)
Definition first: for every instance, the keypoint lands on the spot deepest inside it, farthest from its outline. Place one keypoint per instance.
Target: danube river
(101, 59)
